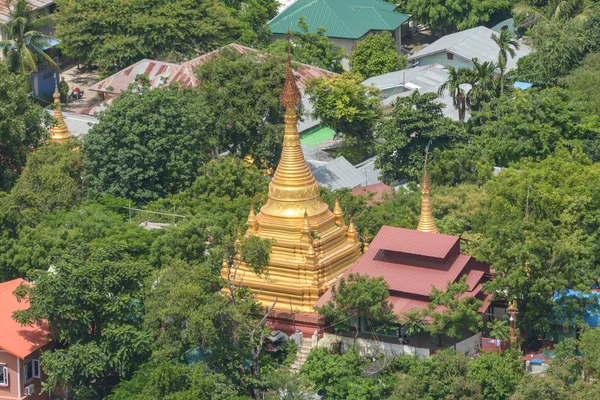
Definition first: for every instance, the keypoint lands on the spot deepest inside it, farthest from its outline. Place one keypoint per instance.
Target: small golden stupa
(311, 246)
(426, 222)
(59, 131)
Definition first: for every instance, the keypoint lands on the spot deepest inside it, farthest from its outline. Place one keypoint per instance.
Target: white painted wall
(470, 346)
(372, 348)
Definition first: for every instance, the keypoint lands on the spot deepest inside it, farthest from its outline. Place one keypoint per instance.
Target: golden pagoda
(426, 222)
(311, 246)
(59, 131)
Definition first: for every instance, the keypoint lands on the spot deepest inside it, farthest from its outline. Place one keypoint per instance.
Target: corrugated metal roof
(5, 12)
(164, 73)
(17, 339)
(392, 255)
(368, 171)
(376, 189)
(350, 19)
(338, 174)
(471, 43)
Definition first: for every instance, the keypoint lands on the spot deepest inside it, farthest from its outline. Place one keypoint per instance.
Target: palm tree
(508, 45)
(528, 15)
(24, 43)
(483, 83)
(456, 77)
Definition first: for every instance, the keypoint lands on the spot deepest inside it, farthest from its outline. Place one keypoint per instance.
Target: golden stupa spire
(338, 213)
(352, 234)
(60, 133)
(426, 222)
(293, 188)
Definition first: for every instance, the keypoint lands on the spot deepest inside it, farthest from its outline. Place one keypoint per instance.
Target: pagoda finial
(290, 94)
(338, 213)
(251, 223)
(426, 222)
(59, 131)
(352, 234)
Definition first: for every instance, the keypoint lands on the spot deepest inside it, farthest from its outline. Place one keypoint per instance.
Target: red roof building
(164, 73)
(414, 262)
(20, 346)
(376, 190)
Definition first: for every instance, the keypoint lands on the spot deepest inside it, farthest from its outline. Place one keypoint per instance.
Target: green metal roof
(317, 135)
(348, 19)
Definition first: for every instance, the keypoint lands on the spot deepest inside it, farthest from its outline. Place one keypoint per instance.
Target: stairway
(301, 356)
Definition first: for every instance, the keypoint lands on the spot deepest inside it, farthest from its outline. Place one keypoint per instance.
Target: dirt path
(81, 79)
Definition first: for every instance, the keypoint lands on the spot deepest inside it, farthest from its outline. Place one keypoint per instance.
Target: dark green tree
(149, 143)
(447, 16)
(456, 78)
(360, 297)
(497, 374)
(23, 127)
(376, 55)
(507, 44)
(116, 34)
(413, 122)
(241, 93)
(350, 108)
(311, 48)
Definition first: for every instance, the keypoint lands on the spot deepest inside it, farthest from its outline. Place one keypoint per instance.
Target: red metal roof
(15, 338)
(376, 189)
(5, 12)
(414, 262)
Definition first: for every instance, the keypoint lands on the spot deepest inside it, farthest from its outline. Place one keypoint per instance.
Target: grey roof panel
(338, 174)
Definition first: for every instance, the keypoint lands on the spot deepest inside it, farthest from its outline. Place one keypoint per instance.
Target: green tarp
(316, 136)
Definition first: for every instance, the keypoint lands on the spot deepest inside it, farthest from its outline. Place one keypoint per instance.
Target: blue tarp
(537, 361)
(51, 43)
(590, 318)
(522, 85)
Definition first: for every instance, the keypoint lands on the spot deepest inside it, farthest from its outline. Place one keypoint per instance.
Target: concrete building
(20, 346)
(346, 21)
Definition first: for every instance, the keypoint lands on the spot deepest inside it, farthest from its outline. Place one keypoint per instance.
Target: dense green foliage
(23, 126)
(137, 153)
(349, 108)
(414, 121)
(448, 16)
(311, 48)
(240, 95)
(116, 34)
(376, 55)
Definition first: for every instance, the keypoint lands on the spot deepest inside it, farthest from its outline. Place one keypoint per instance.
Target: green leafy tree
(116, 34)
(451, 313)
(483, 85)
(23, 42)
(589, 346)
(414, 121)
(23, 127)
(241, 94)
(311, 48)
(497, 374)
(51, 180)
(414, 321)
(147, 144)
(376, 55)
(531, 124)
(507, 44)
(350, 108)
(93, 307)
(499, 329)
(534, 387)
(554, 248)
(447, 16)
(361, 297)
(581, 82)
(441, 376)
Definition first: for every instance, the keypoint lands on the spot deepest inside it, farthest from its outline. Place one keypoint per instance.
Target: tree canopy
(376, 55)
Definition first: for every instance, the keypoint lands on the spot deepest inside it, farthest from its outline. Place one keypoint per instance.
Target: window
(3, 376)
(450, 56)
(32, 370)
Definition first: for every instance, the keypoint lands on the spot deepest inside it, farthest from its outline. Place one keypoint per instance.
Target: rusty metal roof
(161, 72)
(35, 4)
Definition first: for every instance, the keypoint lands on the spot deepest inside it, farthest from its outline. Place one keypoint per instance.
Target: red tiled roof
(15, 338)
(376, 189)
(34, 4)
(414, 262)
